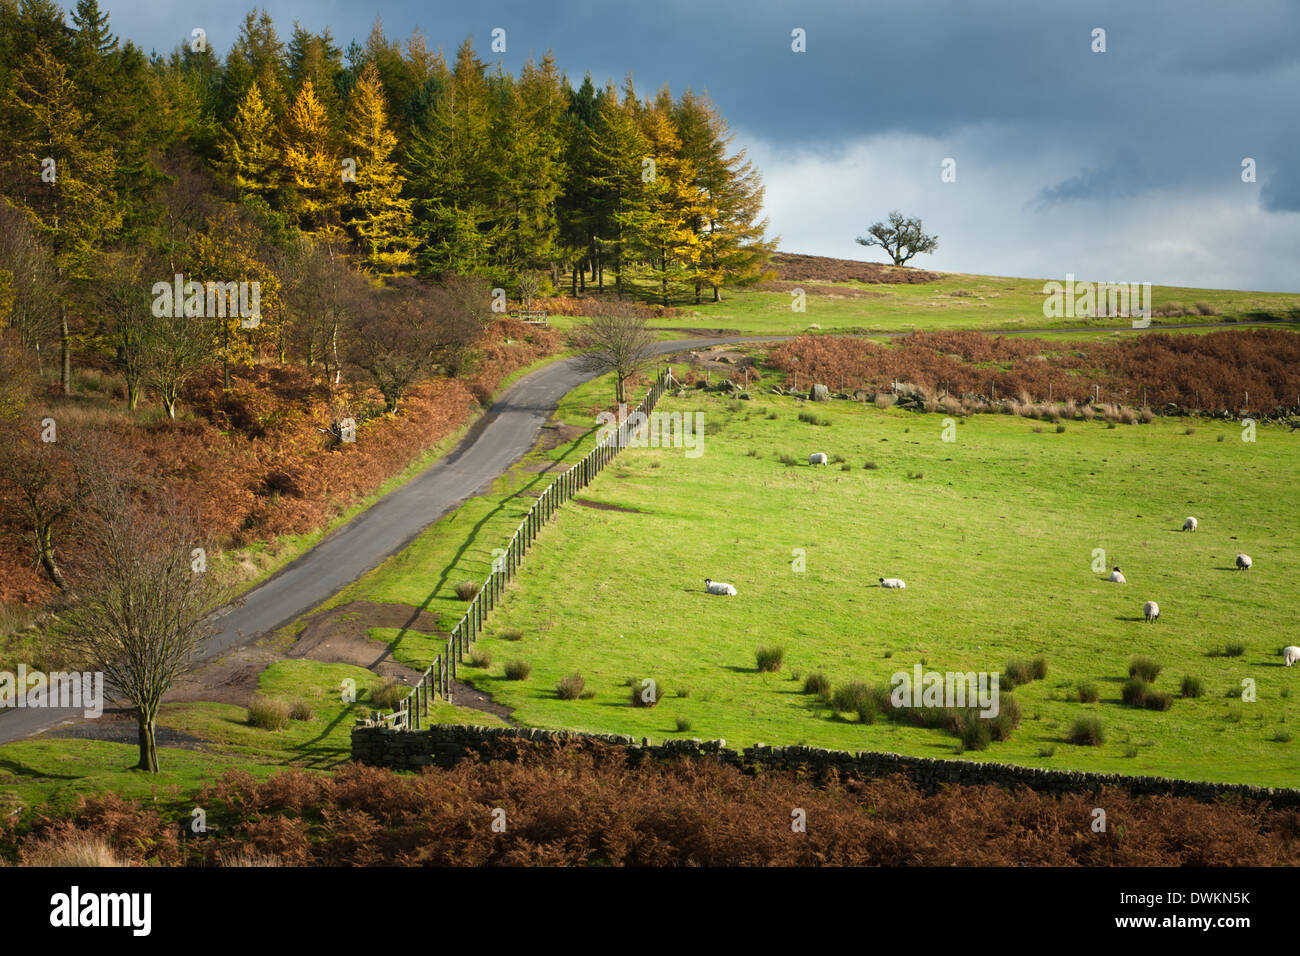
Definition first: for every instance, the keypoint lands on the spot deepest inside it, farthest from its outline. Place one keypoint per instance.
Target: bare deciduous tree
(322, 294)
(175, 349)
(614, 339)
(411, 330)
(142, 607)
(38, 484)
(33, 313)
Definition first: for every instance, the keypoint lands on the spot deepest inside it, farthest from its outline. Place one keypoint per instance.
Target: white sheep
(718, 587)
(1189, 524)
(1151, 610)
(818, 458)
(1118, 576)
(1291, 654)
(1244, 562)
(893, 583)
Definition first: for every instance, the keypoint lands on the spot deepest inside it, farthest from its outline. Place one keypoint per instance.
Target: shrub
(809, 418)
(1158, 700)
(817, 683)
(976, 734)
(1192, 687)
(1145, 668)
(1038, 666)
(267, 713)
(300, 710)
(1060, 429)
(1087, 732)
(480, 658)
(71, 849)
(1007, 719)
(571, 687)
(1087, 692)
(646, 696)
(683, 692)
(1234, 649)
(1131, 751)
(683, 725)
(1046, 752)
(466, 590)
(513, 634)
(846, 467)
(1134, 692)
(518, 670)
(769, 659)
(789, 461)
(858, 698)
(1282, 737)
(1017, 672)
(870, 465)
(387, 694)
(1220, 438)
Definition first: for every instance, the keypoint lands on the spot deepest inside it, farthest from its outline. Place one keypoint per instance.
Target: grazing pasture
(1005, 537)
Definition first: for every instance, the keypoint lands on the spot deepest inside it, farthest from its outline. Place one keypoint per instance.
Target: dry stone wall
(444, 745)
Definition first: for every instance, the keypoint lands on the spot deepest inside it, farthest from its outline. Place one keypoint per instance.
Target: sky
(1122, 165)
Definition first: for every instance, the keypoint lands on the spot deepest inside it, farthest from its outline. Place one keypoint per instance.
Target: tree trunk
(148, 745)
(45, 549)
(717, 294)
(65, 350)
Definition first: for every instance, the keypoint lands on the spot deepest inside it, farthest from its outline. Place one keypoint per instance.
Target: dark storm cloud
(1123, 176)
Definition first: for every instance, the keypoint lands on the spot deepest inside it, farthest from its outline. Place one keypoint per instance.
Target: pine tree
(250, 157)
(450, 176)
(313, 172)
(577, 209)
(376, 215)
(315, 58)
(618, 149)
(529, 168)
(77, 212)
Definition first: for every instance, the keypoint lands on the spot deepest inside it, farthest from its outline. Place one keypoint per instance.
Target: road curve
(496, 442)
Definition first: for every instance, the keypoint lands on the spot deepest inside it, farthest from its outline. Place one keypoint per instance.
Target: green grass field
(954, 301)
(996, 537)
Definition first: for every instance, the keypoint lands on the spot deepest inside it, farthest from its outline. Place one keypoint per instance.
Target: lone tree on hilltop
(902, 238)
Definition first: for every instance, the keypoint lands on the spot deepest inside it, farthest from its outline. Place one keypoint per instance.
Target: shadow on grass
(541, 478)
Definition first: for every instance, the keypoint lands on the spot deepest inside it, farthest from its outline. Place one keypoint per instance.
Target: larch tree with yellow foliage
(313, 171)
(375, 214)
(249, 155)
(665, 241)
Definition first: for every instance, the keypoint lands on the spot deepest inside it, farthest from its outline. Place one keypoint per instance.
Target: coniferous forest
(384, 201)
